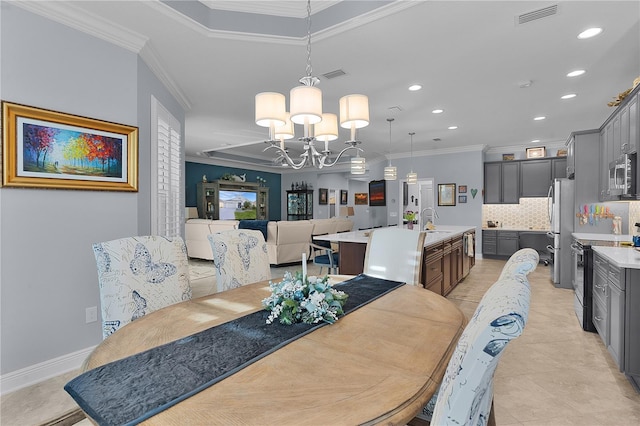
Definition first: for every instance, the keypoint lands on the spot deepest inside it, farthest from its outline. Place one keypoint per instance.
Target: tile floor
(554, 374)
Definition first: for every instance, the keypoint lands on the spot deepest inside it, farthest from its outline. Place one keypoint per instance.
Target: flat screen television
(237, 205)
(378, 193)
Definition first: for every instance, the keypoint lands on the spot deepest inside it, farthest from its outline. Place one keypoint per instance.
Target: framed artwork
(462, 199)
(447, 194)
(49, 149)
(361, 198)
(562, 152)
(508, 157)
(343, 196)
(462, 189)
(536, 152)
(378, 193)
(324, 196)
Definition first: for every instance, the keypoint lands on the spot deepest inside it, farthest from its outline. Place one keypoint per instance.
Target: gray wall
(47, 268)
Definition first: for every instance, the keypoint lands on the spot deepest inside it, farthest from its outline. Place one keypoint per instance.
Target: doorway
(417, 198)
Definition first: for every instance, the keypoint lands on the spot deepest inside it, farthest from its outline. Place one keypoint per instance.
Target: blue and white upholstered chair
(239, 257)
(139, 275)
(395, 254)
(465, 396)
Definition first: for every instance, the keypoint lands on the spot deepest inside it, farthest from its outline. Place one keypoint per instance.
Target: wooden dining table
(380, 364)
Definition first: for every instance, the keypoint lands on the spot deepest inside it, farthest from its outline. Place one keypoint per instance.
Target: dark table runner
(130, 390)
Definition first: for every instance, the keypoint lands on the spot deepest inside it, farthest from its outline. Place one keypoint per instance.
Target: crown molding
(150, 58)
(522, 147)
(439, 151)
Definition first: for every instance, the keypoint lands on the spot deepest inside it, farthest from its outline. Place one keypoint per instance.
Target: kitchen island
(616, 306)
(449, 254)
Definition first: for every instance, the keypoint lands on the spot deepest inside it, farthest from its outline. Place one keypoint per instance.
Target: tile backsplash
(531, 213)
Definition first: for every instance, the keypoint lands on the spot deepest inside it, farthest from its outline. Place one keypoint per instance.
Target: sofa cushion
(258, 225)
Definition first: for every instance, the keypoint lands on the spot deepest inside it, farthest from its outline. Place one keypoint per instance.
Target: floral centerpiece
(309, 300)
(410, 217)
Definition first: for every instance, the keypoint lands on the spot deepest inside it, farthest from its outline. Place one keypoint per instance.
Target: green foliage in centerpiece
(310, 300)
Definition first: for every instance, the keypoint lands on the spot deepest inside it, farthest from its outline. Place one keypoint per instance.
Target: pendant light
(412, 177)
(390, 172)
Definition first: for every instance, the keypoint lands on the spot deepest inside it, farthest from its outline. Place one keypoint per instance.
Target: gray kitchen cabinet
(603, 166)
(632, 327)
(558, 168)
(600, 297)
(535, 178)
(508, 243)
(489, 242)
(616, 313)
(502, 182)
(634, 130)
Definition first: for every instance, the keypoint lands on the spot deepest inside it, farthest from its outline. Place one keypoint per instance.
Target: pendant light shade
(327, 129)
(412, 177)
(305, 104)
(357, 165)
(285, 131)
(270, 109)
(390, 172)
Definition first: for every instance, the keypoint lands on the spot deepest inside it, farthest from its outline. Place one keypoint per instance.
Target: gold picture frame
(538, 152)
(49, 149)
(447, 194)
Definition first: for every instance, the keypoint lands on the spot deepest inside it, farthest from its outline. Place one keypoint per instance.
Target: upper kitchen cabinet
(502, 182)
(535, 178)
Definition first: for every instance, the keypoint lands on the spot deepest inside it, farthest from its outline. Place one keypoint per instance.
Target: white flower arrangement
(309, 300)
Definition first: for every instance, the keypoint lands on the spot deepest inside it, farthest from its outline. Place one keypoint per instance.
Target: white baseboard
(45, 370)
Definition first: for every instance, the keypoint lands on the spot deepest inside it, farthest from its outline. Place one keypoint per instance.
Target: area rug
(130, 390)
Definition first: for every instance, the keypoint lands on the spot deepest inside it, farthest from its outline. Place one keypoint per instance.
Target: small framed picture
(538, 152)
(361, 198)
(324, 196)
(508, 157)
(462, 199)
(562, 152)
(447, 194)
(462, 189)
(343, 196)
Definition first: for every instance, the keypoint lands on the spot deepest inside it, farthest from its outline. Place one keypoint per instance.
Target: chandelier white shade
(285, 131)
(305, 105)
(327, 129)
(390, 172)
(354, 111)
(270, 109)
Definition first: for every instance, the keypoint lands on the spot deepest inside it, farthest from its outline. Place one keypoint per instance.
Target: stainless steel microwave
(622, 174)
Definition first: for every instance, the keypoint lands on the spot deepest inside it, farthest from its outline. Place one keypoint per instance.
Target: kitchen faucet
(434, 216)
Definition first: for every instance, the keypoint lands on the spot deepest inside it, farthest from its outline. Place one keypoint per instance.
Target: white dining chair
(395, 254)
(239, 257)
(139, 275)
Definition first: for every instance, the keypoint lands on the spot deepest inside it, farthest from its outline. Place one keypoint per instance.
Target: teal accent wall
(195, 171)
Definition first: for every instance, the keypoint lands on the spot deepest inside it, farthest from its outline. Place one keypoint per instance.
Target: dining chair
(324, 255)
(395, 254)
(139, 275)
(465, 396)
(239, 257)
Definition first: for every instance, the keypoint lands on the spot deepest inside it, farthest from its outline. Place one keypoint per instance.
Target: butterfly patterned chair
(139, 275)
(465, 396)
(239, 257)
(395, 254)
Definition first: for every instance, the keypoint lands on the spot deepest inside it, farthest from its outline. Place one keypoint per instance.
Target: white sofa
(286, 240)
(196, 231)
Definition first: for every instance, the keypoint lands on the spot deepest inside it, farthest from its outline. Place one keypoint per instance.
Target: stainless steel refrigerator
(561, 214)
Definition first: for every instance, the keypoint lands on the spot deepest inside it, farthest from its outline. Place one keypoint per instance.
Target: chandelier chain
(309, 68)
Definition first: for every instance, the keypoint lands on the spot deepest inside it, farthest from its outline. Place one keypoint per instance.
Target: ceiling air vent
(537, 14)
(437, 139)
(334, 74)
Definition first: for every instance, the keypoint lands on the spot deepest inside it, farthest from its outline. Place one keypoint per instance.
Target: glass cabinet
(230, 200)
(300, 204)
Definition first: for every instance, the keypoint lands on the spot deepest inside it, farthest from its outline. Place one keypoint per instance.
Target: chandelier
(305, 108)
(412, 177)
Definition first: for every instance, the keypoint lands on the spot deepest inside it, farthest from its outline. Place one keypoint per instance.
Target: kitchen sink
(435, 231)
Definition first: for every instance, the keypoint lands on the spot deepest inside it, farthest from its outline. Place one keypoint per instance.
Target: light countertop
(623, 257)
(441, 233)
(515, 228)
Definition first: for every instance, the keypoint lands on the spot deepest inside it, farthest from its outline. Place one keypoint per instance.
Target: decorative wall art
(361, 198)
(48, 149)
(447, 194)
(508, 157)
(536, 152)
(462, 189)
(343, 196)
(474, 191)
(324, 196)
(378, 193)
(462, 199)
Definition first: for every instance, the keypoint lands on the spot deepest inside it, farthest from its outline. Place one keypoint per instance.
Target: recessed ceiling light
(541, 117)
(452, 127)
(437, 111)
(576, 73)
(588, 33)
(568, 96)
(415, 87)
(535, 141)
